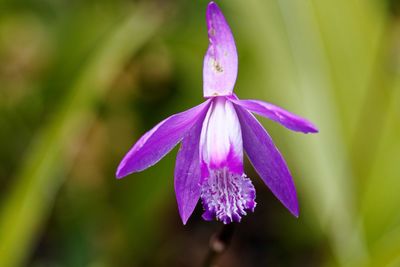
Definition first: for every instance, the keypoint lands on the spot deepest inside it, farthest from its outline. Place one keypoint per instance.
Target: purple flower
(209, 164)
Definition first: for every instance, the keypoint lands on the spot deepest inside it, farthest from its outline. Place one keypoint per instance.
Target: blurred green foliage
(80, 81)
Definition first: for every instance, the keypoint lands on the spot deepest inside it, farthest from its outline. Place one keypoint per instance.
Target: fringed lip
(226, 192)
(227, 196)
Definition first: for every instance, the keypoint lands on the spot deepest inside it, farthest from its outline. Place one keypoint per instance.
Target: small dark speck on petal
(212, 32)
(218, 67)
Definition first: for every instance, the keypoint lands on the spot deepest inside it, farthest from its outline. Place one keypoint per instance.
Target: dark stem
(219, 243)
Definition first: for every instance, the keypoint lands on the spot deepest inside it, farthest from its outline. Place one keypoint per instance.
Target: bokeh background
(80, 81)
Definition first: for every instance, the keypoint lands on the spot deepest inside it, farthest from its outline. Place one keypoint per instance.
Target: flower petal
(157, 142)
(267, 160)
(221, 61)
(187, 172)
(275, 113)
(221, 137)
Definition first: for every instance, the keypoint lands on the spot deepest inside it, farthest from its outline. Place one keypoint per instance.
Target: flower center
(227, 196)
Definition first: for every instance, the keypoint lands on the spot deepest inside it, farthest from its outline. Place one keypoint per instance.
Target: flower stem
(219, 243)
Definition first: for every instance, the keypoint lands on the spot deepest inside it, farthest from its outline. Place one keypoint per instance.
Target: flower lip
(227, 196)
(226, 193)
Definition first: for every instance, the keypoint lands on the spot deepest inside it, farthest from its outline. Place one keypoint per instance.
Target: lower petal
(188, 173)
(227, 196)
(267, 160)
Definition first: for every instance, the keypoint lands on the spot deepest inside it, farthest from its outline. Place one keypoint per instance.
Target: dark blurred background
(81, 81)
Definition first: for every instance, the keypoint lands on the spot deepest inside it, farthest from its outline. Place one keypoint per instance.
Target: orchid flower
(209, 164)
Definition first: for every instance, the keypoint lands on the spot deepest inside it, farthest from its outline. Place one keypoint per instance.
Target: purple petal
(267, 160)
(275, 113)
(157, 142)
(187, 172)
(221, 61)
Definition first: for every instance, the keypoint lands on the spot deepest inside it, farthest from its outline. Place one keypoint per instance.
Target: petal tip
(120, 174)
(294, 210)
(184, 221)
(212, 4)
(312, 128)
(212, 8)
(296, 214)
(122, 171)
(184, 218)
(291, 205)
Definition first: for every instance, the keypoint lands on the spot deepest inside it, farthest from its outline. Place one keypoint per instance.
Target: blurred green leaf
(30, 199)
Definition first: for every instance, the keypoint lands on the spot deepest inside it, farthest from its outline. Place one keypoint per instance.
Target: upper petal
(157, 142)
(267, 160)
(275, 113)
(221, 61)
(187, 172)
